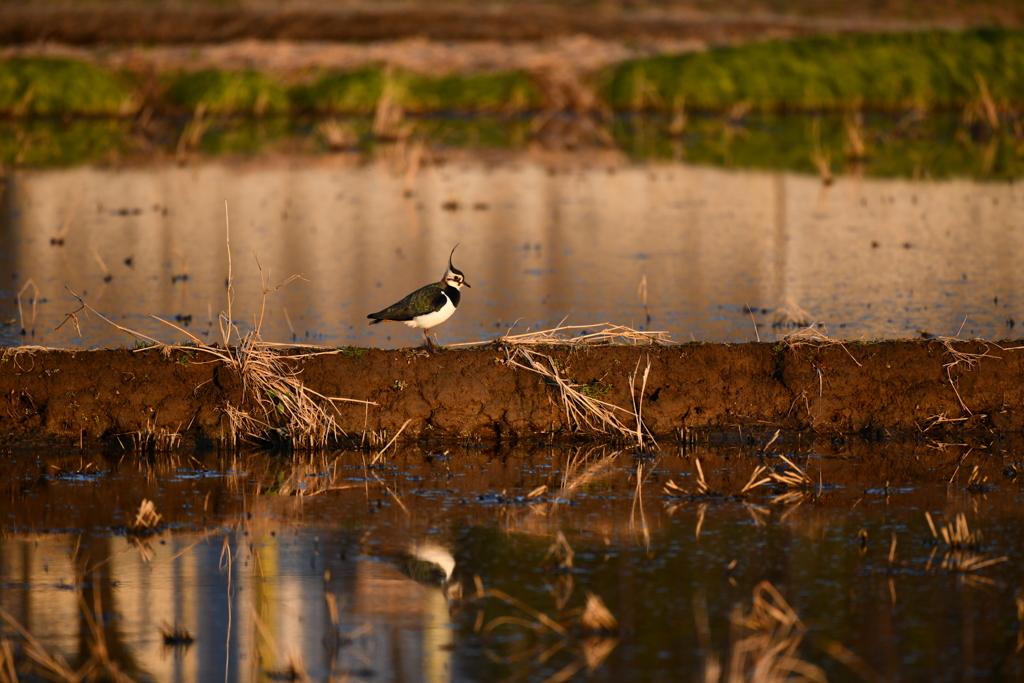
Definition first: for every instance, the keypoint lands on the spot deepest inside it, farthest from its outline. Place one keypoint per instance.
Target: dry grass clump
(152, 440)
(282, 407)
(703, 490)
(962, 555)
(147, 518)
(583, 411)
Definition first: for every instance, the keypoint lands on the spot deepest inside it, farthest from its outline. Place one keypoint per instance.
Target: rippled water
(541, 238)
(333, 567)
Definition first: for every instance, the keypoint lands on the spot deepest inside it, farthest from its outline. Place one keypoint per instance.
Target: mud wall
(926, 387)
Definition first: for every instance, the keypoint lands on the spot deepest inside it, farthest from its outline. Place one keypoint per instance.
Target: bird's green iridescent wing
(424, 300)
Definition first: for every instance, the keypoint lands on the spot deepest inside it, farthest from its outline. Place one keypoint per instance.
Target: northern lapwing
(428, 306)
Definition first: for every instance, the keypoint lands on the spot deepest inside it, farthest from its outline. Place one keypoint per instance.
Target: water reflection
(477, 564)
(542, 237)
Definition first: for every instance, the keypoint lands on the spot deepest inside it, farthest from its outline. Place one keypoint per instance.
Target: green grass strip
(227, 92)
(881, 71)
(45, 87)
(357, 92)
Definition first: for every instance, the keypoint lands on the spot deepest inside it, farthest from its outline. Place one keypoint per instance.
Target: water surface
(542, 238)
(320, 563)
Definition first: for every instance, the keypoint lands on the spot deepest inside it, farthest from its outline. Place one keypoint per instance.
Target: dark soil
(693, 391)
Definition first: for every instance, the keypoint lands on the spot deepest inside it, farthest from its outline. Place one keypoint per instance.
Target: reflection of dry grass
(856, 149)
(590, 644)
(53, 666)
(703, 490)
(336, 135)
(766, 651)
(387, 119)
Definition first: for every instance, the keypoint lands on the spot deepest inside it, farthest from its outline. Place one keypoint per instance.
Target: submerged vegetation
(936, 146)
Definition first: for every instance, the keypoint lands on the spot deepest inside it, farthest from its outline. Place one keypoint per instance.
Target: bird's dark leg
(430, 342)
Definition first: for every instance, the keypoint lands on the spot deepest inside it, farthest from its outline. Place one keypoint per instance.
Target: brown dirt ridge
(929, 388)
(113, 21)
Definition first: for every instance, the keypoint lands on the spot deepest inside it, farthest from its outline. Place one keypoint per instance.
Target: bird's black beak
(467, 284)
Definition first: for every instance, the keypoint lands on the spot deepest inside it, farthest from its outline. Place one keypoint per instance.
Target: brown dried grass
(283, 408)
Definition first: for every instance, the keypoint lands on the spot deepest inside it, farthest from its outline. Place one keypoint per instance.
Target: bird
(428, 306)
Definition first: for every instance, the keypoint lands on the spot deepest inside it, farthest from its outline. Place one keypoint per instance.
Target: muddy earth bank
(692, 391)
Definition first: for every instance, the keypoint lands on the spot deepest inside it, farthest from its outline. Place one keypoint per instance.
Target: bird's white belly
(435, 318)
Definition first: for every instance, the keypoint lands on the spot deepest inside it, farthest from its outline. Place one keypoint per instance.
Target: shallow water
(254, 555)
(541, 238)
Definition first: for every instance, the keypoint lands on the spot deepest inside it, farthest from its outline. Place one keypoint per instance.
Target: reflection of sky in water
(869, 258)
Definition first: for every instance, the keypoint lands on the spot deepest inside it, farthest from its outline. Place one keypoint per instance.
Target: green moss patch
(354, 92)
(479, 92)
(43, 87)
(357, 92)
(885, 71)
(243, 92)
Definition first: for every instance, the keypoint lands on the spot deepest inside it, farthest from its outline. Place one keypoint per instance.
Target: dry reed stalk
(596, 616)
(638, 403)
(388, 116)
(962, 357)
(641, 292)
(679, 118)
(147, 518)
(812, 335)
(961, 556)
(51, 666)
(193, 131)
(605, 333)
(58, 239)
(35, 299)
(793, 478)
(754, 480)
(107, 275)
(856, 150)
(985, 102)
(336, 135)
(820, 157)
(581, 411)
(8, 672)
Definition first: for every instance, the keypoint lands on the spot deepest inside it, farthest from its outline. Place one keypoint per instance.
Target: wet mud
(928, 388)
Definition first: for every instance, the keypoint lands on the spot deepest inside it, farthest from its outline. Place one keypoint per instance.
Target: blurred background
(720, 170)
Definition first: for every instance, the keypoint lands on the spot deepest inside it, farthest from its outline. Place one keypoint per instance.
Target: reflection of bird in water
(432, 564)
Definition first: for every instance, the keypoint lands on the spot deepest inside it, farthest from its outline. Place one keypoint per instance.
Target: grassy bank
(934, 70)
(884, 71)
